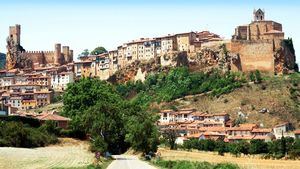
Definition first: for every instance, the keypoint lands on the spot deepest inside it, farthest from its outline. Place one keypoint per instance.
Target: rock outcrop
(14, 57)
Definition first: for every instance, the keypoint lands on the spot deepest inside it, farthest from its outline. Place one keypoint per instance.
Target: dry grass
(69, 153)
(243, 162)
(249, 100)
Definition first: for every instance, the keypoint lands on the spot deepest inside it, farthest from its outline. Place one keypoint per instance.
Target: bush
(192, 165)
(15, 134)
(25, 120)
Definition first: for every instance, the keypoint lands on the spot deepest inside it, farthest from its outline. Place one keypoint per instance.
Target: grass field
(69, 153)
(243, 162)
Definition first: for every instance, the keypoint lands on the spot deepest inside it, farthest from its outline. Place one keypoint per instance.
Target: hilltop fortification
(18, 57)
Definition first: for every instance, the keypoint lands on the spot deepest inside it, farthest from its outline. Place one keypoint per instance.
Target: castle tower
(66, 53)
(57, 53)
(258, 15)
(71, 56)
(15, 33)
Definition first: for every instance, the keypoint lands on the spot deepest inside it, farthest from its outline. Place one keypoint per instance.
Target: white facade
(167, 44)
(61, 80)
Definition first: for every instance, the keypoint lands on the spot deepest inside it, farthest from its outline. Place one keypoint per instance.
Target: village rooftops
(215, 129)
(261, 130)
(52, 116)
(186, 33)
(243, 127)
(42, 92)
(297, 132)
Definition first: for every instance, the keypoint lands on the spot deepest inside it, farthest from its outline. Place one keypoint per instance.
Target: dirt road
(128, 162)
(69, 153)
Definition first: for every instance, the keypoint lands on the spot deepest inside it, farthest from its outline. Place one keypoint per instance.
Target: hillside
(2, 60)
(274, 101)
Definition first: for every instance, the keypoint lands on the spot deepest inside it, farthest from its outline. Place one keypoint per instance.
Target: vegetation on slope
(179, 82)
(275, 100)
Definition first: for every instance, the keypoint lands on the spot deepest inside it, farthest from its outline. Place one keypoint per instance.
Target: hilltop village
(260, 45)
(32, 78)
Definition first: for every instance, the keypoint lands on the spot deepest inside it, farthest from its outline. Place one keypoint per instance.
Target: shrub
(192, 165)
(15, 134)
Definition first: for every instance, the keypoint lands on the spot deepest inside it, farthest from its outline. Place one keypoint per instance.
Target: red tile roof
(297, 131)
(52, 116)
(261, 130)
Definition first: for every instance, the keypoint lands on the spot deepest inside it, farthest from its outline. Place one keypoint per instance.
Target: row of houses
(29, 89)
(189, 123)
(144, 49)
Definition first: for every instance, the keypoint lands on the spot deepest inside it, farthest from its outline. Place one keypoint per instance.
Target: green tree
(98, 50)
(84, 53)
(171, 135)
(142, 133)
(258, 147)
(113, 122)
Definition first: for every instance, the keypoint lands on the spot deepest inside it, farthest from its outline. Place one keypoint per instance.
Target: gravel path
(128, 162)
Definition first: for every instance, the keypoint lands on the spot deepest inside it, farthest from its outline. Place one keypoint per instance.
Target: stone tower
(259, 15)
(66, 51)
(71, 56)
(15, 33)
(57, 54)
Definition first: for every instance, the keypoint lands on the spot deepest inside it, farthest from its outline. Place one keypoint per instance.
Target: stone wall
(35, 56)
(253, 55)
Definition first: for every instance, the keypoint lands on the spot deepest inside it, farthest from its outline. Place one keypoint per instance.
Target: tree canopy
(84, 53)
(114, 123)
(98, 50)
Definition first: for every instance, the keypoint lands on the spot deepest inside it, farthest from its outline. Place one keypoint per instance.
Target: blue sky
(109, 23)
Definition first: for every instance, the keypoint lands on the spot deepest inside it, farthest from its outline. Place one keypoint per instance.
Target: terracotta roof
(240, 137)
(282, 124)
(196, 135)
(243, 127)
(257, 137)
(168, 110)
(41, 92)
(52, 116)
(217, 129)
(297, 131)
(261, 130)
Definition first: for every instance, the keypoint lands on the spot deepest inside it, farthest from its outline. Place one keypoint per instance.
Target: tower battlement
(59, 56)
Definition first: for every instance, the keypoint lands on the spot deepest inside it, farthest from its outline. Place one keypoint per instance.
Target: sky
(87, 24)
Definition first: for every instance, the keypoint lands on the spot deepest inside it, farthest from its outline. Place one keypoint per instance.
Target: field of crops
(69, 153)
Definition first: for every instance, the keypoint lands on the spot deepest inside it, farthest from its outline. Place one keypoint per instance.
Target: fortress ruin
(17, 57)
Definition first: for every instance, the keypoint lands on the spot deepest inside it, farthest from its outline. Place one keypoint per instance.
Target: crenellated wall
(48, 57)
